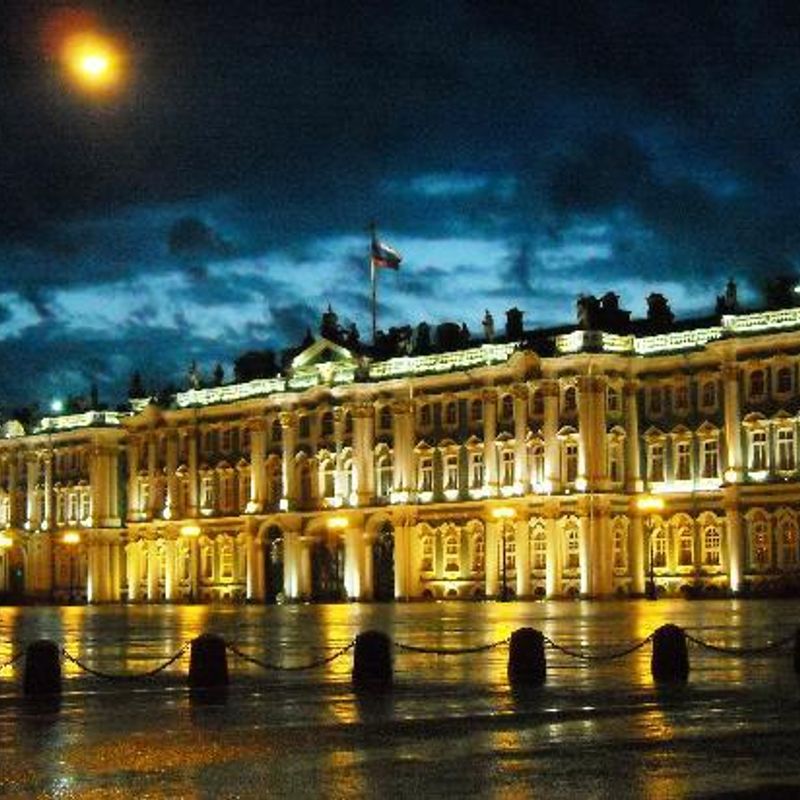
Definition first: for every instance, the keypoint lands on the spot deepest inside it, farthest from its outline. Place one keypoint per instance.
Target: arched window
(384, 475)
(758, 450)
(788, 539)
(451, 550)
(328, 475)
(451, 471)
(708, 396)
(385, 418)
(537, 403)
(620, 548)
(711, 545)
(478, 550)
(570, 399)
(656, 400)
(685, 546)
(425, 417)
(276, 435)
(786, 458)
(658, 547)
(570, 461)
(425, 474)
(427, 553)
(612, 399)
(682, 397)
(537, 465)
(759, 544)
(451, 414)
(326, 424)
(507, 407)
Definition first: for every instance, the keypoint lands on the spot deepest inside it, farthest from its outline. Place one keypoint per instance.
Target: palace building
(596, 460)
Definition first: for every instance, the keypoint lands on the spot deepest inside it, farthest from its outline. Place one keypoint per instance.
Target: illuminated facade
(502, 469)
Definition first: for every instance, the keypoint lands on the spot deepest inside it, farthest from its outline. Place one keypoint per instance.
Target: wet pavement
(450, 726)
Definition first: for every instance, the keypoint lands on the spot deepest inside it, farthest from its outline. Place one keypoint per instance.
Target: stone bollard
(208, 662)
(527, 665)
(42, 669)
(797, 651)
(372, 661)
(670, 659)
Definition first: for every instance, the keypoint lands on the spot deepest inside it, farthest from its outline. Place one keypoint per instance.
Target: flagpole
(374, 281)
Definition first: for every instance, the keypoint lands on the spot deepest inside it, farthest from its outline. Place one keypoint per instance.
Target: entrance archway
(273, 564)
(327, 572)
(383, 563)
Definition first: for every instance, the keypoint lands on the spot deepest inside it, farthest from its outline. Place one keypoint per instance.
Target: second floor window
(507, 468)
(683, 461)
(451, 471)
(786, 459)
(757, 384)
(451, 414)
(710, 458)
(476, 470)
(656, 466)
(708, 396)
(426, 474)
(758, 455)
(571, 461)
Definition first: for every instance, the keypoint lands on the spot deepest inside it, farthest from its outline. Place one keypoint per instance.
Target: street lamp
(650, 505)
(191, 532)
(71, 539)
(503, 514)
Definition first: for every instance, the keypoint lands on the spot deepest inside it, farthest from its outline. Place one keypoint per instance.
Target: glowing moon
(93, 61)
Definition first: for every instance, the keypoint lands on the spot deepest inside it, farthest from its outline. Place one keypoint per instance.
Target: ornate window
(570, 399)
(710, 458)
(276, 433)
(425, 475)
(476, 473)
(478, 552)
(537, 465)
(385, 418)
(655, 465)
(681, 397)
(615, 461)
(451, 414)
(786, 457)
(537, 403)
(451, 471)
(207, 492)
(384, 475)
(226, 559)
(507, 467)
(758, 450)
(571, 462)
(326, 423)
(427, 553)
(425, 416)
(328, 472)
(507, 407)
(612, 400)
(783, 381)
(683, 461)
(620, 547)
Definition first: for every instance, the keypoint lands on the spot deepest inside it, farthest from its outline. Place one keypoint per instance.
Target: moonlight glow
(92, 61)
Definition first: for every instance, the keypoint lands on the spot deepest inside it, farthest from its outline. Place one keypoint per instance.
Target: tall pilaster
(32, 506)
(733, 438)
(354, 562)
(47, 458)
(633, 468)
(194, 500)
(403, 435)
(592, 463)
(735, 544)
(288, 420)
(134, 501)
(521, 468)
(554, 564)
(152, 475)
(491, 556)
(490, 476)
(523, 557)
(363, 446)
(171, 501)
(258, 474)
(552, 454)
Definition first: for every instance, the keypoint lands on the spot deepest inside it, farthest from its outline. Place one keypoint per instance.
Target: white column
(492, 558)
(403, 435)
(584, 550)
(402, 553)
(192, 468)
(48, 490)
(304, 583)
(32, 463)
(171, 501)
(170, 580)
(134, 501)
(152, 471)
(368, 586)
(134, 562)
(353, 562)
(115, 577)
(152, 571)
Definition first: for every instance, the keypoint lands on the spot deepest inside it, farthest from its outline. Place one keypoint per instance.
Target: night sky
(515, 153)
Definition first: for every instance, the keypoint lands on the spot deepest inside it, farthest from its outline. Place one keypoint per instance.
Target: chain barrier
(12, 660)
(741, 651)
(451, 651)
(320, 662)
(598, 656)
(124, 676)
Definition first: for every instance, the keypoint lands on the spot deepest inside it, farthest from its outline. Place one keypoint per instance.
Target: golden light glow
(504, 512)
(71, 537)
(94, 61)
(190, 531)
(5, 541)
(650, 503)
(337, 523)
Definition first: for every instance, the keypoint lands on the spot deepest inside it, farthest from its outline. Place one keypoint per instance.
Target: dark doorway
(273, 565)
(327, 572)
(383, 563)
